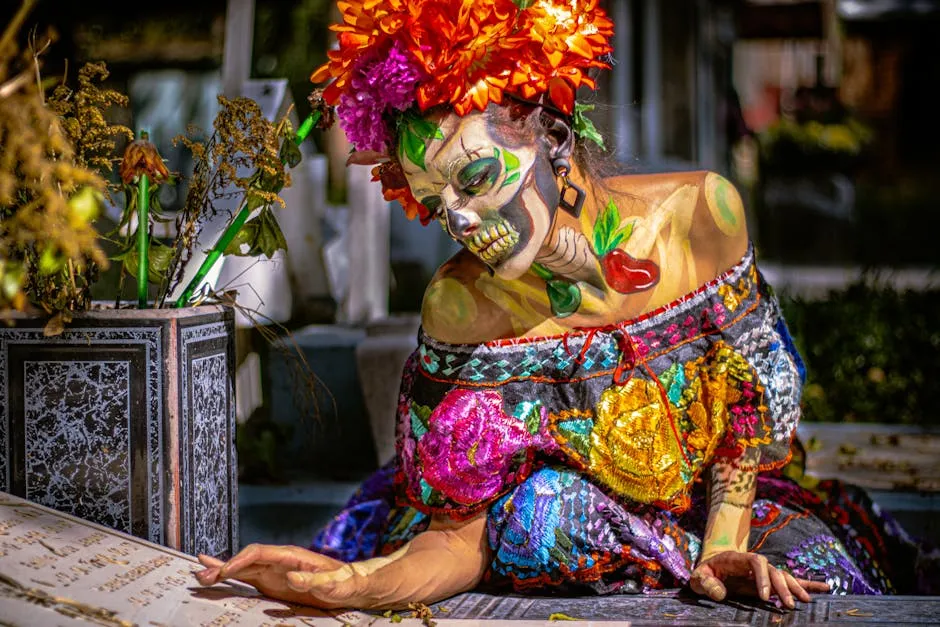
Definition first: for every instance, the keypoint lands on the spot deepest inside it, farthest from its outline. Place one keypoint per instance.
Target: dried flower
(141, 157)
(49, 251)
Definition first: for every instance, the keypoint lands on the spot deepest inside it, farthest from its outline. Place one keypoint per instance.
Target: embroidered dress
(586, 452)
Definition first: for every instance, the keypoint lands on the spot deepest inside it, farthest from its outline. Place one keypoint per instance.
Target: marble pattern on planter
(78, 438)
(211, 496)
(207, 447)
(90, 339)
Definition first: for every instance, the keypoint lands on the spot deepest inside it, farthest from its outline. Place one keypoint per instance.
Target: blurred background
(822, 112)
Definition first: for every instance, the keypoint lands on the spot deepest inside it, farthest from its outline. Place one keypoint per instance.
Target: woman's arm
(725, 562)
(731, 492)
(443, 561)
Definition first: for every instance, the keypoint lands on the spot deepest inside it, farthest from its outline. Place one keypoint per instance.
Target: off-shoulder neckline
(630, 325)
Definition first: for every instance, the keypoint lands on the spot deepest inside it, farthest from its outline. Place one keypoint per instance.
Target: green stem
(143, 239)
(240, 218)
(541, 272)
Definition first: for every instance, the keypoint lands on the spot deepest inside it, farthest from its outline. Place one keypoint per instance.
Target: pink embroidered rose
(469, 449)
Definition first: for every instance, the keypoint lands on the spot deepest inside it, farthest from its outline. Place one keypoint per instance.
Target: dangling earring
(562, 167)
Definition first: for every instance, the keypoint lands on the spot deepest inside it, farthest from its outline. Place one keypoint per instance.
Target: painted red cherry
(627, 274)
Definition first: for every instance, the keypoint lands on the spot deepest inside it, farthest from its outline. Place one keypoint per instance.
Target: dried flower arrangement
(57, 154)
(49, 190)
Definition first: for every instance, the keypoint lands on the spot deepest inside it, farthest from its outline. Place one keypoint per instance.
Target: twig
(14, 25)
(13, 84)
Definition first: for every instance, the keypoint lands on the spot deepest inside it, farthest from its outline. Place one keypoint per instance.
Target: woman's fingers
(287, 557)
(208, 561)
(814, 587)
(761, 576)
(781, 586)
(708, 585)
(208, 577)
(808, 587)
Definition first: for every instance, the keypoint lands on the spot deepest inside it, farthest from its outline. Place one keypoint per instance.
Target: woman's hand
(749, 574)
(289, 573)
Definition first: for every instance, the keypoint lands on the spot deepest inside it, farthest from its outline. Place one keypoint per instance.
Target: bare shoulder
(454, 310)
(717, 232)
(720, 229)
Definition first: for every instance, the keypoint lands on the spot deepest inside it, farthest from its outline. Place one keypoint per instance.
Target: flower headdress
(394, 55)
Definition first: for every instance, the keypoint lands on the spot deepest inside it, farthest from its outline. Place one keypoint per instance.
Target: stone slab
(681, 608)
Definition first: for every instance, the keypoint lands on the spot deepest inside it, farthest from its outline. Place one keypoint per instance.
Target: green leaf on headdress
(415, 132)
(523, 4)
(584, 127)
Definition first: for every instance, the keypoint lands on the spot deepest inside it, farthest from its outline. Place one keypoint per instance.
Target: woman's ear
(560, 136)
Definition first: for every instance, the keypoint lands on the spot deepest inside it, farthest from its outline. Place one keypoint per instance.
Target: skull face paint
(490, 182)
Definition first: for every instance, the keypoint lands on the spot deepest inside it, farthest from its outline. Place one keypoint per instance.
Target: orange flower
(477, 51)
(366, 23)
(472, 53)
(395, 188)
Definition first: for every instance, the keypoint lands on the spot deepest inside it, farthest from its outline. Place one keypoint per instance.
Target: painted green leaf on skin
(512, 178)
(607, 232)
(512, 161)
(604, 229)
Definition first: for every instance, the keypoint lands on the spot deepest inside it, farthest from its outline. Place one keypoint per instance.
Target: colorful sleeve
(461, 446)
(765, 377)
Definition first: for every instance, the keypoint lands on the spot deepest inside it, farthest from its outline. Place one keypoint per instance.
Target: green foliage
(607, 232)
(415, 132)
(584, 127)
(259, 236)
(872, 355)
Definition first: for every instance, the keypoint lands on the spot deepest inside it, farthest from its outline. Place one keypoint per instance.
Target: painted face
(493, 191)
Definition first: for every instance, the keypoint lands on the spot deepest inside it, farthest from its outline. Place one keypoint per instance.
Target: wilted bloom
(141, 157)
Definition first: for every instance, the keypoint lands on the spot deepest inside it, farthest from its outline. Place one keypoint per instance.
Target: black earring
(562, 167)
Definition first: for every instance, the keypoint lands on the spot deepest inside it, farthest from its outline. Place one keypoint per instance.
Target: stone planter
(126, 419)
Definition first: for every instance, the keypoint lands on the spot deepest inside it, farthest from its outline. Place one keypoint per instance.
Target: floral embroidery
(429, 359)
(633, 446)
(470, 451)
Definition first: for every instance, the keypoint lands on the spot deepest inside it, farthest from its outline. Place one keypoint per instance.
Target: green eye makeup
(478, 176)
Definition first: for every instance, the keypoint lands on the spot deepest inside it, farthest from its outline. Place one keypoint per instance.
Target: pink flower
(381, 84)
(467, 454)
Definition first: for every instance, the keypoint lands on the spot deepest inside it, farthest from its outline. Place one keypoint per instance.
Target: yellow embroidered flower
(706, 410)
(634, 448)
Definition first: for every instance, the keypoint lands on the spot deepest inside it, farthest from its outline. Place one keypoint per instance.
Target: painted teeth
(493, 242)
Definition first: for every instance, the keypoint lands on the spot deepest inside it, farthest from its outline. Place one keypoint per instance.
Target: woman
(604, 390)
